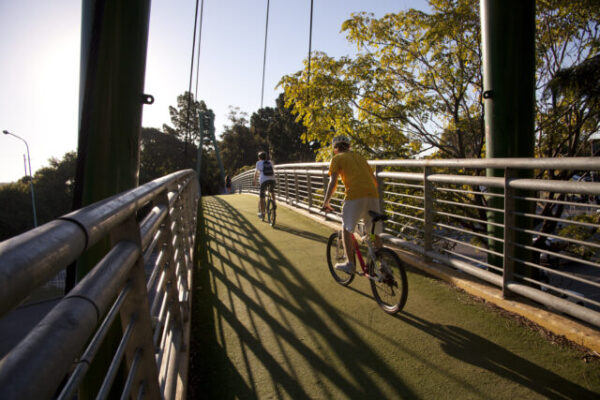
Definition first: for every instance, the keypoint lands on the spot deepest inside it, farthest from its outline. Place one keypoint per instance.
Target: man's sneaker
(346, 267)
(260, 215)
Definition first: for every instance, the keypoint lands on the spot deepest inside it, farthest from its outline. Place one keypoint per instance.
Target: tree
(285, 138)
(53, 194)
(185, 122)
(161, 154)
(54, 186)
(568, 35)
(415, 84)
(238, 145)
(567, 111)
(15, 214)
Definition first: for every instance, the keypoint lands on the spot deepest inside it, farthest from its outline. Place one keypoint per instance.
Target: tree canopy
(416, 83)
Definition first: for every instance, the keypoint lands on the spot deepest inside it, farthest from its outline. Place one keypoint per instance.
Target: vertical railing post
(136, 306)
(380, 191)
(181, 278)
(297, 194)
(172, 256)
(509, 232)
(429, 213)
(287, 190)
(309, 187)
(325, 182)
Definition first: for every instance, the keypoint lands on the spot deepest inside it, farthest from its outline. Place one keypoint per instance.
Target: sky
(40, 56)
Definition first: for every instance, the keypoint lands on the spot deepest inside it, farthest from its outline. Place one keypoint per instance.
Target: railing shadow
(248, 286)
(249, 298)
(301, 233)
(482, 353)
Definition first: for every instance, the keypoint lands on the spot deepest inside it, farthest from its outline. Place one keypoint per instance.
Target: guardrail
(142, 285)
(531, 227)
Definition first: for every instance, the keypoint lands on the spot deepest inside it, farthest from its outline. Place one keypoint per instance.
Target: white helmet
(340, 139)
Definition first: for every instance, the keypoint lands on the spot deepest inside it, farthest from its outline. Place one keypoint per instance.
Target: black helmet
(262, 155)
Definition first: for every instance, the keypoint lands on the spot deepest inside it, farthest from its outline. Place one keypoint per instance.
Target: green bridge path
(269, 322)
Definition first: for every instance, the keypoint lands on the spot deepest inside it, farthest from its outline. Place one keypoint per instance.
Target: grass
(270, 322)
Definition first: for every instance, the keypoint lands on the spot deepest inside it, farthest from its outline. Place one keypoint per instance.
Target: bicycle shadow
(301, 233)
(234, 292)
(483, 353)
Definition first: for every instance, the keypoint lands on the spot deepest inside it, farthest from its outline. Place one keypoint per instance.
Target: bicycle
(270, 206)
(384, 269)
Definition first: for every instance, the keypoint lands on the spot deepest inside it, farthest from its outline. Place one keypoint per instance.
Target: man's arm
(256, 175)
(333, 179)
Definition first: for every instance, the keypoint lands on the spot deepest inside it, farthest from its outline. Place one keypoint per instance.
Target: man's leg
(262, 205)
(349, 220)
(348, 246)
(261, 201)
(273, 194)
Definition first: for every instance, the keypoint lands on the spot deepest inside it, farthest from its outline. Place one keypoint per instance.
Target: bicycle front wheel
(336, 254)
(388, 283)
(271, 213)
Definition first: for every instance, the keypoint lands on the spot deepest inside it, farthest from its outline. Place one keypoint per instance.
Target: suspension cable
(310, 40)
(199, 46)
(262, 92)
(190, 88)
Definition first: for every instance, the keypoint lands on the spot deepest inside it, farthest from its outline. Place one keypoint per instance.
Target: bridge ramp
(270, 322)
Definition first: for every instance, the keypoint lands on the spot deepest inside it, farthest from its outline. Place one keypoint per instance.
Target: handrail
(52, 354)
(441, 209)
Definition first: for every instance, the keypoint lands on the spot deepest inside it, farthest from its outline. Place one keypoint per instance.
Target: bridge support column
(114, 39)
(508, 39)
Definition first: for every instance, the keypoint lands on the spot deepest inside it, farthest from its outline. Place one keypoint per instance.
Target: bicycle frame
(359, 255)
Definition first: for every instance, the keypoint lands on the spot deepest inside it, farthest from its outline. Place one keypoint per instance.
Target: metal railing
(531, 227)
(142, 286)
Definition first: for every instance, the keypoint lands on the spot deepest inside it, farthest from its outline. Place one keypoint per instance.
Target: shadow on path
(274, 321)
(264, 327)
(480, 352)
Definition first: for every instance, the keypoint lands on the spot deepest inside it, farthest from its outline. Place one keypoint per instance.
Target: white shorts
(354, 210)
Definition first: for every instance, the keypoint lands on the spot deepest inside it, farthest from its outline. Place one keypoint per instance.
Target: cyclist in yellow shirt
(360, 194)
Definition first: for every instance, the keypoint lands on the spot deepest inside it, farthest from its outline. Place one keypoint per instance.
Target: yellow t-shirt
(356, 174)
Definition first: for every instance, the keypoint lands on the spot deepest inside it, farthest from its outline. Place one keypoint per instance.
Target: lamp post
(30, 176)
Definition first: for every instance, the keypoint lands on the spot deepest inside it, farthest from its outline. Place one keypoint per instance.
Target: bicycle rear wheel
(389, 283)
(271, 212)
(336, 254)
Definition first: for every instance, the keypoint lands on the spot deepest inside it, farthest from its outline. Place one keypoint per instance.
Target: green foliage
(53, 188)
(582, 233)
(568, 38)
(238, 145)
(283, 137)
(161, 154)
(16, 213)
(270, 129)
(184, 118)
(415, 84)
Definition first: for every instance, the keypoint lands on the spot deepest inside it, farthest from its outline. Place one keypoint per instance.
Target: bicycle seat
(375, 216)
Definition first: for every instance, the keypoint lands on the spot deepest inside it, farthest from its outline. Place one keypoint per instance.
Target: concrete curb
(557, 324)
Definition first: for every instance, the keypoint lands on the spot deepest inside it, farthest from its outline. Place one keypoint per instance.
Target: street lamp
(30, 176)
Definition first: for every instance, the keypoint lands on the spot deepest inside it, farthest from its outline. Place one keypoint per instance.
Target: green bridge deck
(270, 322)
